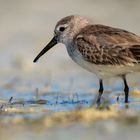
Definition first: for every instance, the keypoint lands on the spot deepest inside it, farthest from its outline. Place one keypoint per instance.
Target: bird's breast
(77, 57)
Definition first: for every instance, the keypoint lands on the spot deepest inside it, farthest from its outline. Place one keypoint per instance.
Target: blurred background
(26, 26)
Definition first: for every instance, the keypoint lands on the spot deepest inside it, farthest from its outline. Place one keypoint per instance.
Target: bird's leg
(101, 88)
(126, 89)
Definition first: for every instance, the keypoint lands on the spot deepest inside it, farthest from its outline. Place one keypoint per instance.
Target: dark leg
(126, 89)
(101, 88)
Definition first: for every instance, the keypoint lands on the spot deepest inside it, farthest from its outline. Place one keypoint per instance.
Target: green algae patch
(46, 118)
(86, 116)
(50, 118)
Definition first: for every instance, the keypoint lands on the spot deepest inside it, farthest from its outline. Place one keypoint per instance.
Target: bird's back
(104, 45)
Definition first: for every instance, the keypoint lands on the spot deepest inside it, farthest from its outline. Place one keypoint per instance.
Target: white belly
(103, 71)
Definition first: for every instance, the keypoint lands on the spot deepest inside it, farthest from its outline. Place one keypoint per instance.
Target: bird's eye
(61, 29)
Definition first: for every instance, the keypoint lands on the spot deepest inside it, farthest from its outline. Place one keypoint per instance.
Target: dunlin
(103, 50)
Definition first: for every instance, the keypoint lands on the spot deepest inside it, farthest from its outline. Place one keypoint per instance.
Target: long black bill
(48, 46)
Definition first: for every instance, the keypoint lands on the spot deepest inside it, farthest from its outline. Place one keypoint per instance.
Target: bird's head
(65, 30)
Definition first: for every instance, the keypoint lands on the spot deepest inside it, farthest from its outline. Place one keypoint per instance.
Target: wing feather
(101, 44)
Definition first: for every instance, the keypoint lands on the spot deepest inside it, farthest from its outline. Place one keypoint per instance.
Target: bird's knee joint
(101, 90)
(126, 89)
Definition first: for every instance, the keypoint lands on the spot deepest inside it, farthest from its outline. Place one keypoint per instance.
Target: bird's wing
(101, 44)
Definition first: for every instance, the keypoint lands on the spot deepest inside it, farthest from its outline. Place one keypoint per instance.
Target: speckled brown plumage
(101, 44)
(64, 20)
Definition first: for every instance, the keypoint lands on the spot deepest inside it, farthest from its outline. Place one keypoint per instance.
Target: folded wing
(101, 44)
